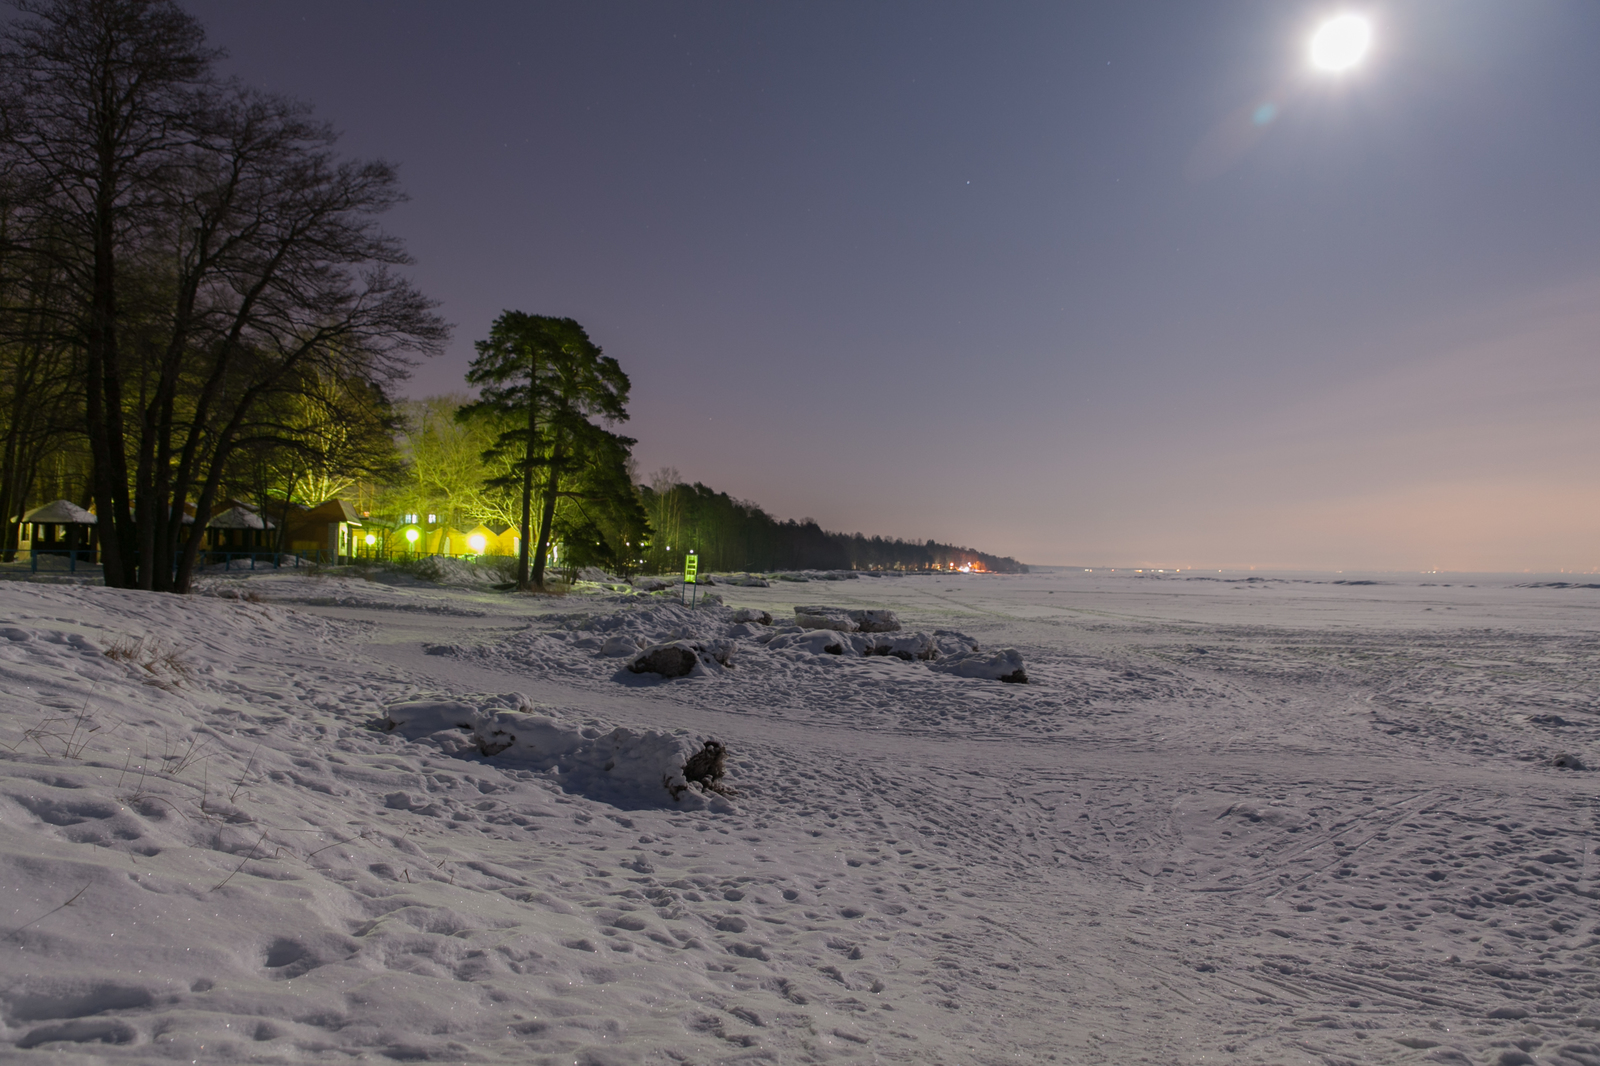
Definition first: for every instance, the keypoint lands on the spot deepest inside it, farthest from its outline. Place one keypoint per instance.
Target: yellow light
(477, 542)
(411, 535)
(371, 540)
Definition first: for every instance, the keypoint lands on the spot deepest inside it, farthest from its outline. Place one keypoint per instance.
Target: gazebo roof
(240, 517)
(61, 512)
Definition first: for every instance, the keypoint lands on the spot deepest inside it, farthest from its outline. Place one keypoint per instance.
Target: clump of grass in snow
(71, 734)
(153, 655)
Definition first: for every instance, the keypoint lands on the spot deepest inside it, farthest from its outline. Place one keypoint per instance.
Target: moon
(1340, 43)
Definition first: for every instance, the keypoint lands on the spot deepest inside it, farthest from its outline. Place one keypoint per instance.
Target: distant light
(477, 542)
(371, 540)
(411, 535)
(1340, 43)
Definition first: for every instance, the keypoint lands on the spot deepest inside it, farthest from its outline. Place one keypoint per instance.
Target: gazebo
(239, 529)
(59, 528)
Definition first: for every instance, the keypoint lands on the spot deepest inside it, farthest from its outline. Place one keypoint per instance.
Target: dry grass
(69, 735)
(154, 656)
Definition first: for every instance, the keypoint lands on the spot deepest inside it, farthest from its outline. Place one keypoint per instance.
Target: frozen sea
(1244, 818)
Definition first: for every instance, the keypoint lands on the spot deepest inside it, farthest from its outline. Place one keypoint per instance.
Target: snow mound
(1003, 665)
(583, 758)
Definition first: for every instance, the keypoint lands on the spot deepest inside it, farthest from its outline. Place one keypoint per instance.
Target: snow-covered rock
(511, 731)
(681, 658)
(875, 620)
(912, 647)
(813, 641)
(618, 645)
(825, 618)
(847, 620)
(1003, 665)
(752, 614)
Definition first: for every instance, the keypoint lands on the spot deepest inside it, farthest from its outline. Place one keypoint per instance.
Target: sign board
(691, 566)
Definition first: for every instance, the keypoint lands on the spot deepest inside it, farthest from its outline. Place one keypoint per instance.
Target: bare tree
(219, 256)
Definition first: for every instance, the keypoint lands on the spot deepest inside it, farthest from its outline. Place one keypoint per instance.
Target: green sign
(691, 566)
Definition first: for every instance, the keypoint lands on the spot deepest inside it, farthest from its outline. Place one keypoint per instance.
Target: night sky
(1095, 284)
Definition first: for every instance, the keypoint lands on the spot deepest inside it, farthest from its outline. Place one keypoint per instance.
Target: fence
(69, 560)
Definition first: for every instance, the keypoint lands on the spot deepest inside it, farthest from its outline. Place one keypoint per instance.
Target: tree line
(730, 534)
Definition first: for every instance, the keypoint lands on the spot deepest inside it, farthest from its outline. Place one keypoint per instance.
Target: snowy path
(1290, 823)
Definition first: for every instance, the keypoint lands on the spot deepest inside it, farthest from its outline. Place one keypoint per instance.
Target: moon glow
(1340, 43)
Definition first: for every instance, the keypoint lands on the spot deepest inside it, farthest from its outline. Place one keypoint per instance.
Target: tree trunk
(547, 519)
(526, 543)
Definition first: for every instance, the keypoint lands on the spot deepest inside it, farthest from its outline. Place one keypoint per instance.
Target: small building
(327, 531)
(445, 540)
(498, 539)
(239, 528)
(59, 528)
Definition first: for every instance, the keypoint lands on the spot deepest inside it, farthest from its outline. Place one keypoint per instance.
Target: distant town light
(477, 542)
(411, 535)
(371, 540)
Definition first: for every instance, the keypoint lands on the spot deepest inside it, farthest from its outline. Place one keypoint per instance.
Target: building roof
(240, 517)
(61, 512)
(333, 511)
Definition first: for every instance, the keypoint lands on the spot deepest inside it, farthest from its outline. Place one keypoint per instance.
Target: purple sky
(1026, 276)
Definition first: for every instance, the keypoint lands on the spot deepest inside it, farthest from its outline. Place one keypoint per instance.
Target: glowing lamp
(477, 542)
(411, 535)
(371, 540)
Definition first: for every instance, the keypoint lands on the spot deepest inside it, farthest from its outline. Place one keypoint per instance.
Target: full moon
(1340, 43)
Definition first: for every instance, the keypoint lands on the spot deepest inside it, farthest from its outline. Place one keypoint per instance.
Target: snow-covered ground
(1227, 820)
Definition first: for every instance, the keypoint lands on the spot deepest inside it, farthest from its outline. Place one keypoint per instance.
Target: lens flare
(1340, 43)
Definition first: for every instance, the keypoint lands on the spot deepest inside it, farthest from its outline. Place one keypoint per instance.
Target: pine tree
(548, 381)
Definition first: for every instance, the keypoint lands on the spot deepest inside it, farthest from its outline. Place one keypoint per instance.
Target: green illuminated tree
(548, 383)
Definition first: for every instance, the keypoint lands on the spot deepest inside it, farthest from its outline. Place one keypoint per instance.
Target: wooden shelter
(239, 528)
(59, 528)
(328, 530)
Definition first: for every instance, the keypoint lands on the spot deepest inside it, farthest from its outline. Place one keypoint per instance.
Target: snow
(60, 511)
(310, 817)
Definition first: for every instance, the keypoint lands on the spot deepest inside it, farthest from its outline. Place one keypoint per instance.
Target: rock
(1004, 665)
(711, 597)
(875, 621)
(595, 574)
(752, 614)
(675, 659)
(652, 584)
(825, 618)
(751, 582)
(1567, 761)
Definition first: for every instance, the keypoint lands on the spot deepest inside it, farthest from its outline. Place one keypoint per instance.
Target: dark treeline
(730, 534)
